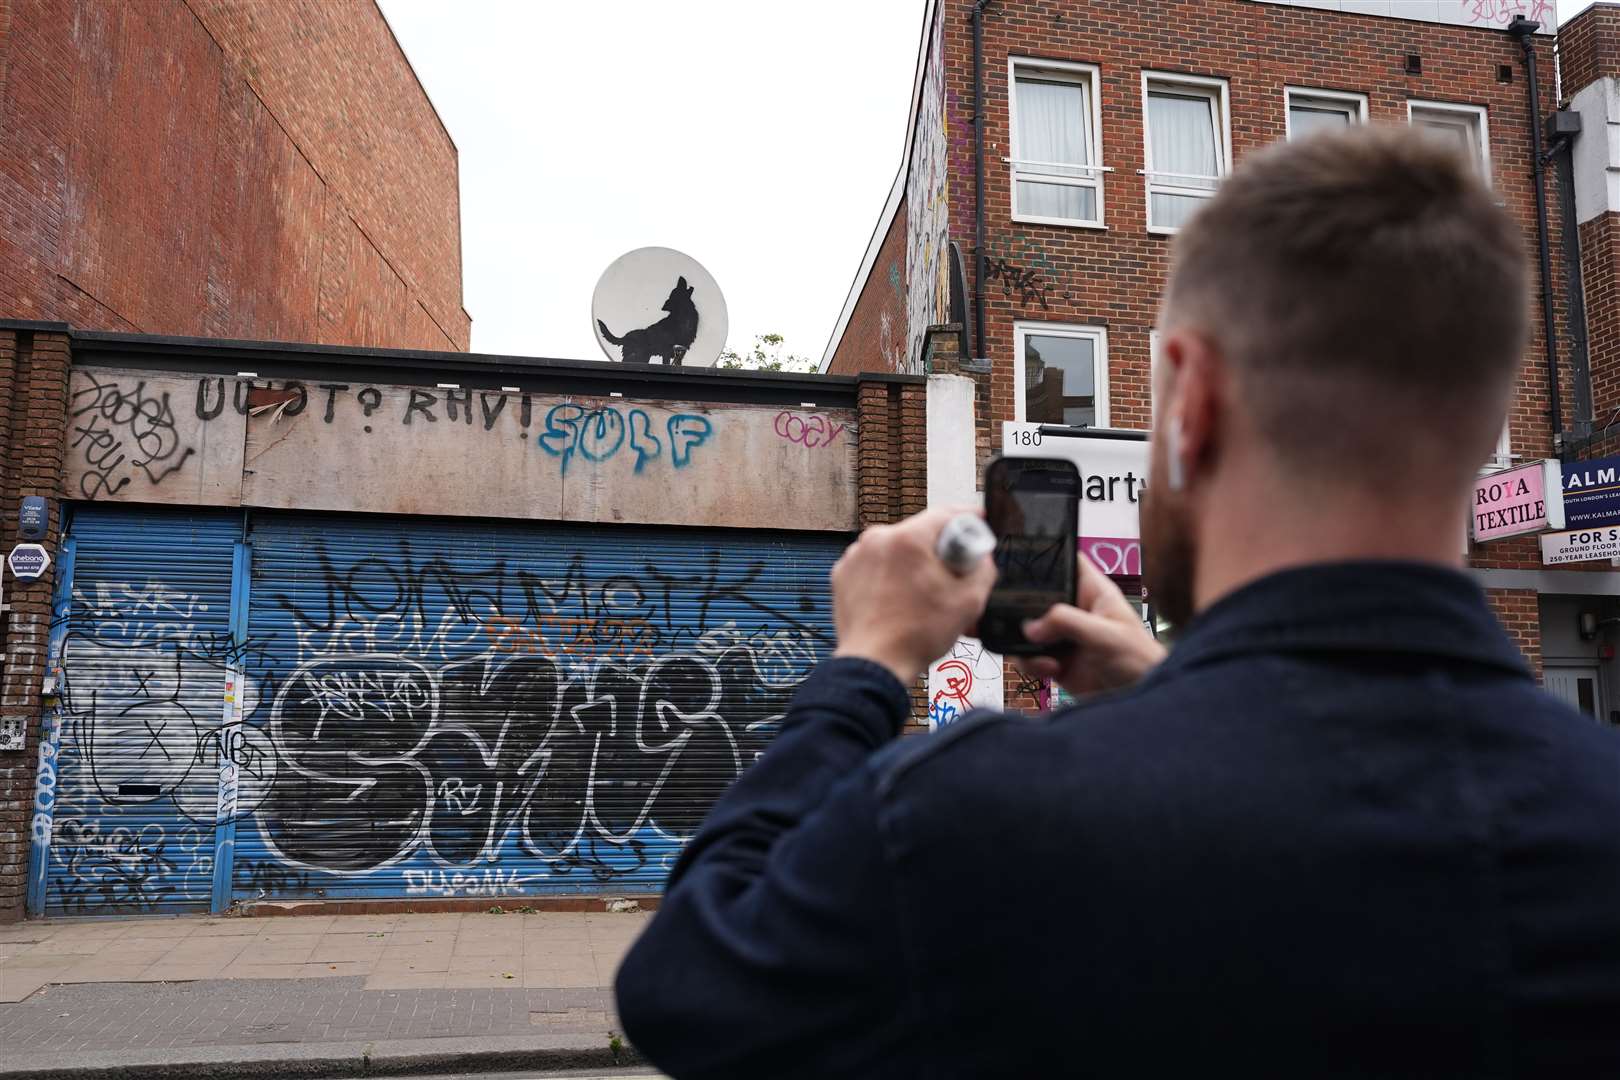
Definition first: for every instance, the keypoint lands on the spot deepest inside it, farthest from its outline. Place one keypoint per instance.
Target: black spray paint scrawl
(668, 338)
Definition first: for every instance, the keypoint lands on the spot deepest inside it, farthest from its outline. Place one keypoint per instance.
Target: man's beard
(1168, 553)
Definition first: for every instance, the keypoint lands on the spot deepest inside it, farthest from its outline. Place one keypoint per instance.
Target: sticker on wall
(656, 305)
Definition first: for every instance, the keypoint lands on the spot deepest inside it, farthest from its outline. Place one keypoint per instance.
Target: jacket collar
(1388, 607)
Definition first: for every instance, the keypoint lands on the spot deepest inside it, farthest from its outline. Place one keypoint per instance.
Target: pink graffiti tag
(1498, 12)
(810, 431)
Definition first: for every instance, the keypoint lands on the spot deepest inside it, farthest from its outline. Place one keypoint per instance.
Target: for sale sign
(1580, 545)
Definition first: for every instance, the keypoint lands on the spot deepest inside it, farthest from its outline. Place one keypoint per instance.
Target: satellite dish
(656, 305)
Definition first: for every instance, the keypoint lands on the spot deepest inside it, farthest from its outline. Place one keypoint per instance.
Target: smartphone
(1033, 507)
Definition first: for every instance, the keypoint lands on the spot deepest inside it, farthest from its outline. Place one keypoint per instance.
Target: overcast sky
(758, 137)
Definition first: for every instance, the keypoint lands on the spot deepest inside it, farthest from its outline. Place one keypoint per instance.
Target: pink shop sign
(1528, 499)
(1116, 556)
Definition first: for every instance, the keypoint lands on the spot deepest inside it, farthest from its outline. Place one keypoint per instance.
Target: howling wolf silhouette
(668, 338)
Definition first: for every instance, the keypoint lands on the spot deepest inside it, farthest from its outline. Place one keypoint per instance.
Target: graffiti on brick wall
(1022, 282)
(928, 205)
(1502, 12)
(891, 343)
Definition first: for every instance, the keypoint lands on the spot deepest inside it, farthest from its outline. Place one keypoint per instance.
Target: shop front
(322, 638)
(1566, 610)
(1113, 468)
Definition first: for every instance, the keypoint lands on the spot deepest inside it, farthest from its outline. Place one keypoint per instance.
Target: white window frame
(1355, 104)
(1088, 75)
(1504, 457)
(1098, 335)
(1476, 113)
(1153, 371)
(1218, 91)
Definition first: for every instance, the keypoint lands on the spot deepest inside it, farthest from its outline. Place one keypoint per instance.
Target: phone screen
(1032, 505)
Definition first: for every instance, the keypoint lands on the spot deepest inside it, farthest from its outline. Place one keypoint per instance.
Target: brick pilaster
(33, 383)
(913, 479)
(1520, 615)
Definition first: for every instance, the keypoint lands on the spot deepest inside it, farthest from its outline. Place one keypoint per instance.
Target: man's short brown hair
(1369, 268)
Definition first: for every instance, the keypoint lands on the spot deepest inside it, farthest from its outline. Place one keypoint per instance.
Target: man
(1337, 832)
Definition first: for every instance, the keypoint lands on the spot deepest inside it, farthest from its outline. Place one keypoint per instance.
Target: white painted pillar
(970, 677)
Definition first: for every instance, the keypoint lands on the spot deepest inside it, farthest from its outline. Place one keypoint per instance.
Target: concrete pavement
(390, 952)
(311, 995)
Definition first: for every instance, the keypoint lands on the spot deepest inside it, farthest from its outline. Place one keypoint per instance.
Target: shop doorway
(1578, 684)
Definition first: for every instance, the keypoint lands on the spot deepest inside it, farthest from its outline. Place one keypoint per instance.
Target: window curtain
(1458, 132)
(1305, 119)
(1052, 123)
(1181, 128)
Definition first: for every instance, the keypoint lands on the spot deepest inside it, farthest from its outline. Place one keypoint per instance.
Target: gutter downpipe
(1561, 154)
(1524, 30)
(976, 17)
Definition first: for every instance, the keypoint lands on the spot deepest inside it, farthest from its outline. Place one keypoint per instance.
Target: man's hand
(896, 603)
(1111, 646)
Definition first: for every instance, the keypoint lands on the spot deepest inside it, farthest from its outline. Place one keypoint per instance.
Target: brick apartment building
(1102, 129)
(236, 169)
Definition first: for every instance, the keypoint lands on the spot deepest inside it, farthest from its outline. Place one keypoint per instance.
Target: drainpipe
(976, 17)
(1524, 30)
(1563, 127)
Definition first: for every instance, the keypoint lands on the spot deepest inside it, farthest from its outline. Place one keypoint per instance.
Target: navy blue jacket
(1339, 832)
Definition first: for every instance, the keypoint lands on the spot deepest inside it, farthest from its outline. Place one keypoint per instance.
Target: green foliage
(768, 354)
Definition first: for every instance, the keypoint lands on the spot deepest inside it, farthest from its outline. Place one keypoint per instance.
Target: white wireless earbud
(1177, 473)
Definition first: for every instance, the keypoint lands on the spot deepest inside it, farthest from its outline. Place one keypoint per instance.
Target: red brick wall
(892, 469)
(1520, 616)
(235, 168)
(1114, 277)
(1589, 47)
(1600, 280)
(892, 452)
(875, 337)
(33, 386)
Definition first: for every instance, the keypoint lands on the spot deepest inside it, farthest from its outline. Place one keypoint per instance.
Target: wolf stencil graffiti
(659, 306)
(668, 338)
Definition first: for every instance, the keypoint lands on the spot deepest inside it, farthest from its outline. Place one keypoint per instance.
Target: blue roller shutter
(479, 709)
(143, 666)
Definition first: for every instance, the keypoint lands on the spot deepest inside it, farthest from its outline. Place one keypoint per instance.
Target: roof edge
(886, 218)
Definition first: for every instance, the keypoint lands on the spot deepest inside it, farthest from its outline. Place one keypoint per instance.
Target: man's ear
(1195, 389)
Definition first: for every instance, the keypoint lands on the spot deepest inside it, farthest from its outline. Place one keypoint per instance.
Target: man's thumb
(1065, 622)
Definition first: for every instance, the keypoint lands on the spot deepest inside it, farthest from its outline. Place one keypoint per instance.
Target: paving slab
(285, 996)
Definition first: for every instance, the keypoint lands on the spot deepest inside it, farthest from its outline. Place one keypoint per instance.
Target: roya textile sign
(1580, 545)
(1113, 473)
(1591, 492)
(1516, 501)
